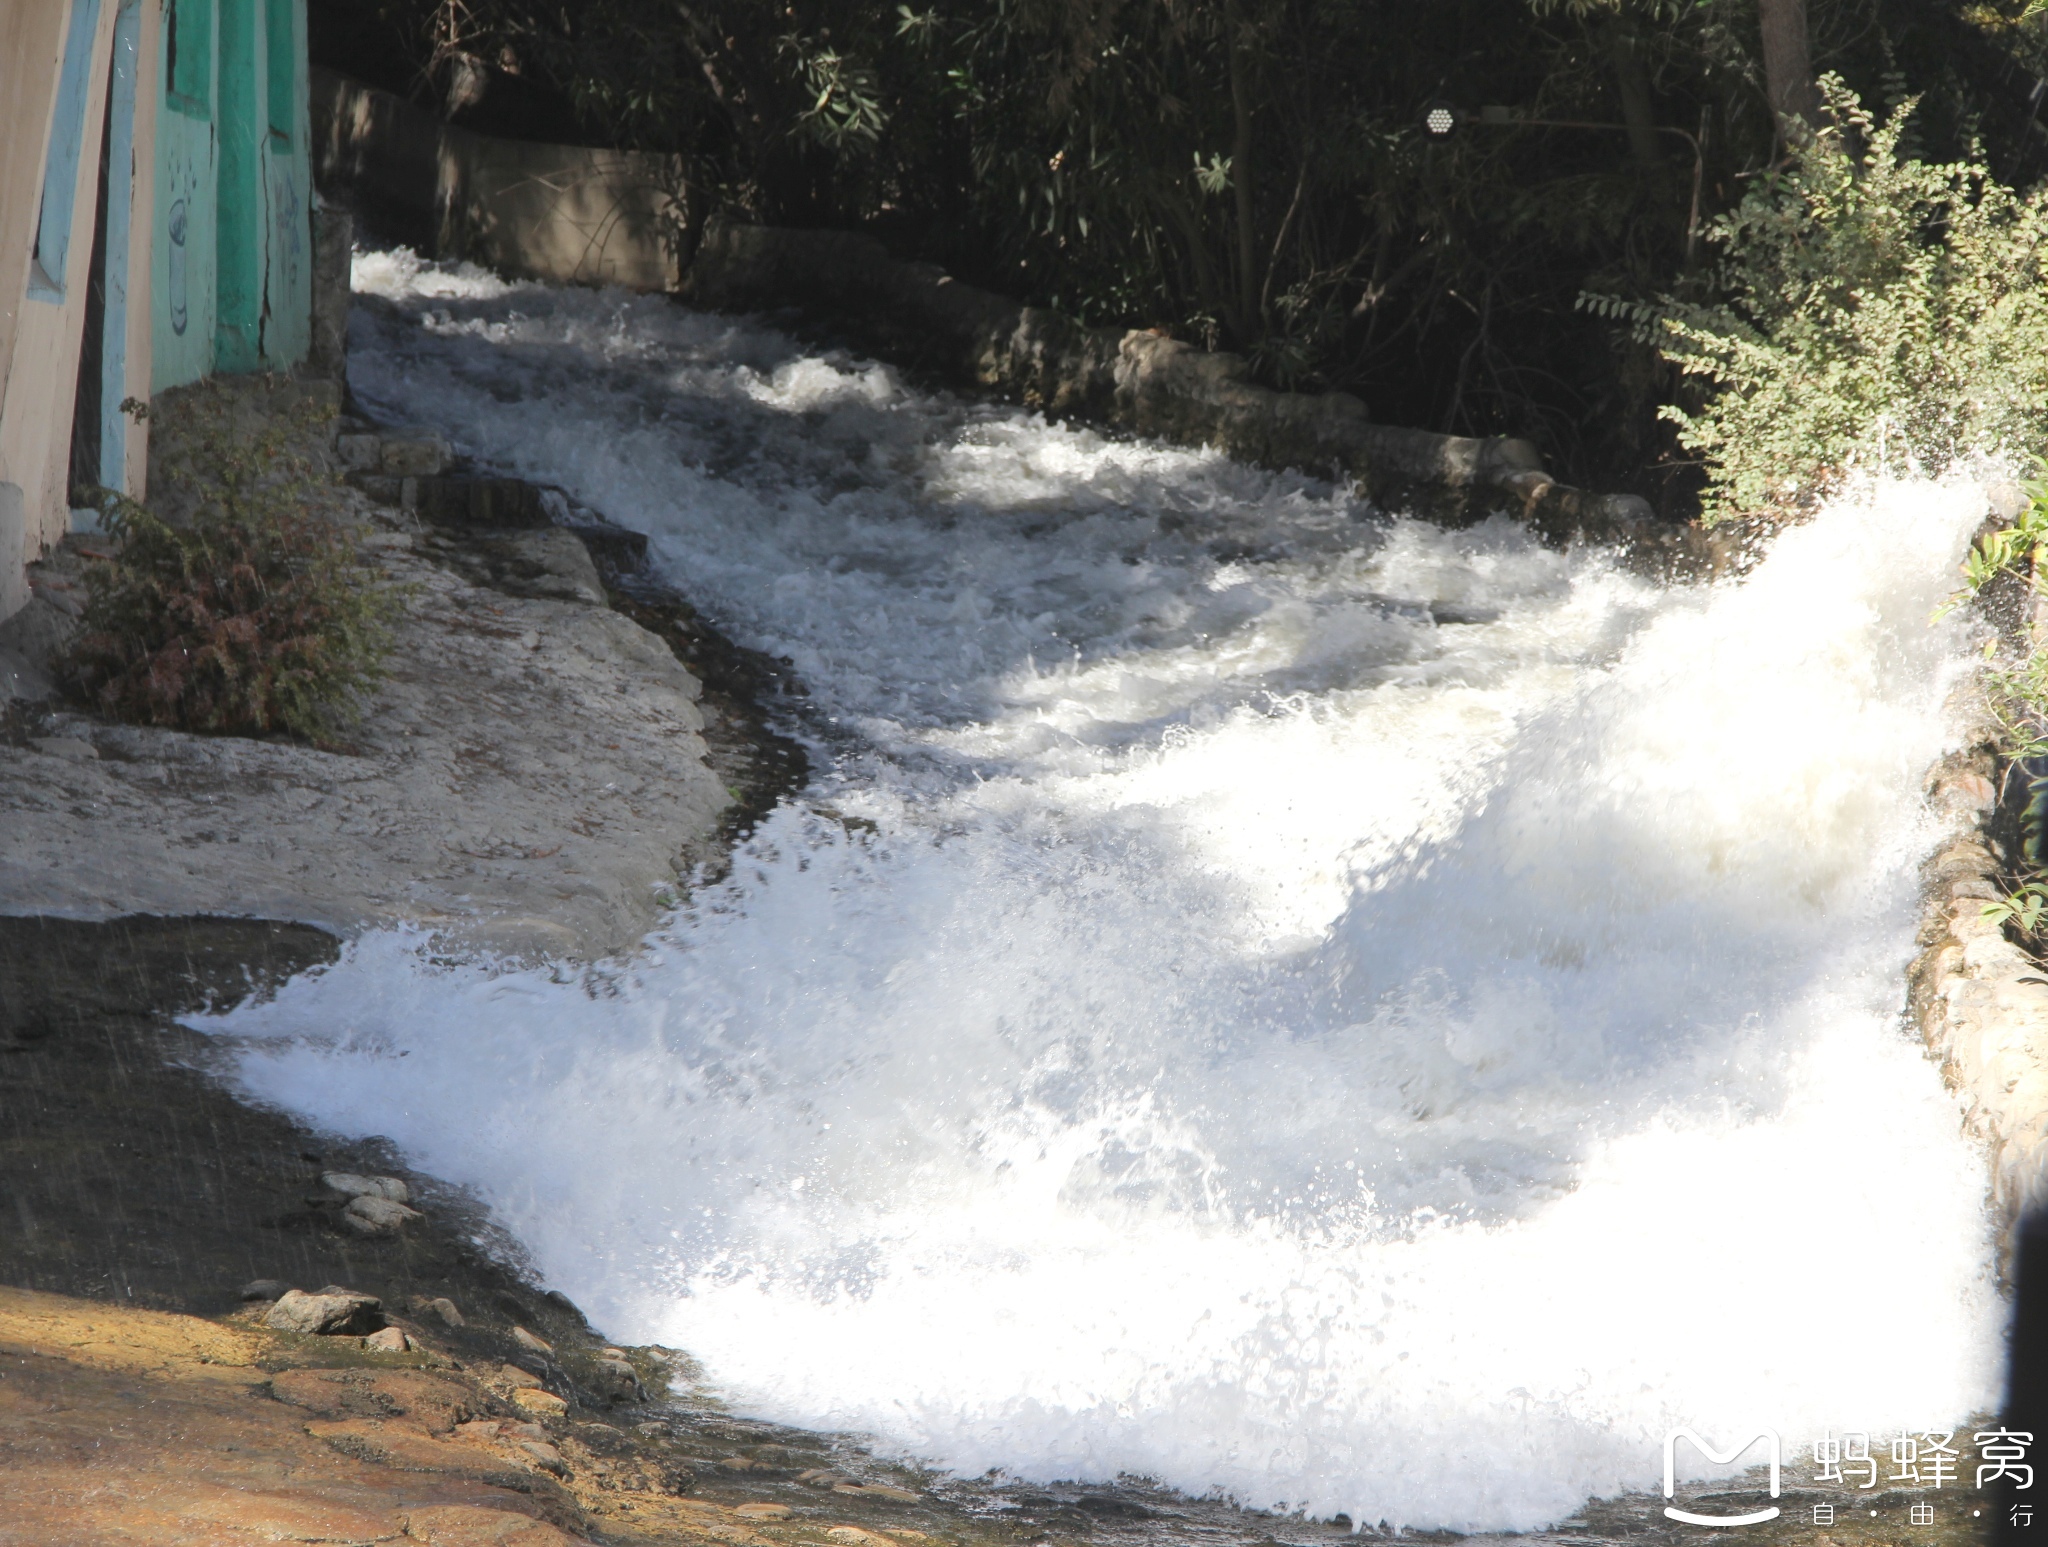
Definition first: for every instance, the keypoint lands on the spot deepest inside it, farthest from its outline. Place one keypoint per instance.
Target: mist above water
(1361, 1017)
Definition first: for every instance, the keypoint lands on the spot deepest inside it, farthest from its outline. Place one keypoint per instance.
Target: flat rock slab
(131, 1426)
(530, 779)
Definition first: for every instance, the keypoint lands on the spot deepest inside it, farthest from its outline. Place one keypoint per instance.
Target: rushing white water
(1353, 1015)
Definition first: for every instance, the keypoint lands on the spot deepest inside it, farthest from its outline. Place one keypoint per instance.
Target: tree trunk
(1633, 82)
(1788, 68)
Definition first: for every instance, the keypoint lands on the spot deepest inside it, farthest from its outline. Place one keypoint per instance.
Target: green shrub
(248, 610)
(1878, 310)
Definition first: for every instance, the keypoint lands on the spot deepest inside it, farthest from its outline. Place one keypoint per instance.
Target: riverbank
(540, 773)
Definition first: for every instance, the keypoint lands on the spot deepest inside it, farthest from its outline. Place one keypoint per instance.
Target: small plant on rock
(239, 606)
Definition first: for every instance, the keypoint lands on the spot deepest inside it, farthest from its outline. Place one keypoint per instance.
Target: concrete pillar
(334, 230)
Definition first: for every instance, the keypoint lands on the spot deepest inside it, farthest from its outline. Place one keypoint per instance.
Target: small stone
(480, 1429)
(764, 1511)
(545, 1403)
(525, 1431)
(390, 1341)
(549, 1458)
(445, 1309)
(512, 1375)
(349, 1185)
(738, 1464)
(526, 1339)
(264, 1289)
(373, 1216)
(334, 1312)
(822, 1477)
(653, 1429)
(70, 748)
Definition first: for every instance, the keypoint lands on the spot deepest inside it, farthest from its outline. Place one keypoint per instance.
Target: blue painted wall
(60, 174)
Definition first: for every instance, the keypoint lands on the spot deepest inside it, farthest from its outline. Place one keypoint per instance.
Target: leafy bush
(248, 611)
(1879, 309)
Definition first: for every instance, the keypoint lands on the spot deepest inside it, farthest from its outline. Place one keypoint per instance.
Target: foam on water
(1277, 1037)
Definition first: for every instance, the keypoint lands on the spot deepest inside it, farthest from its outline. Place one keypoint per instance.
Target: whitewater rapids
(1260, 994)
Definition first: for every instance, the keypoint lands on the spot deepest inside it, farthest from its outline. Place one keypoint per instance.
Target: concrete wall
(41, 390)
(566, 213)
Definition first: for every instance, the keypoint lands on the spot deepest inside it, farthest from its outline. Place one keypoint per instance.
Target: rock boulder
(333, 1312)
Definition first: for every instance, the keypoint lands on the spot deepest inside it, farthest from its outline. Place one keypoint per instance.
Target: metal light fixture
(1440, 119)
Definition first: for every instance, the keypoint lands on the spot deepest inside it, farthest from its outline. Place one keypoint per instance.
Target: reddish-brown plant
(250, 614)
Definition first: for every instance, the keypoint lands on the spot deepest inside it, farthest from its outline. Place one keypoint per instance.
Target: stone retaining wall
(570, 214)
(1979, 1002)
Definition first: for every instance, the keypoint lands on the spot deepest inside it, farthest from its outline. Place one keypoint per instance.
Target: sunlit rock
(372, 1215)
(331, 1312)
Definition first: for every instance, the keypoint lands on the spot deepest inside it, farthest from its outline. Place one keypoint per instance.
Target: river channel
(1261, 993)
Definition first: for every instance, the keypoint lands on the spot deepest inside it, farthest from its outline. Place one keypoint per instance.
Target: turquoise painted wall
(233, 276)
(181, 257)
(288, 185)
